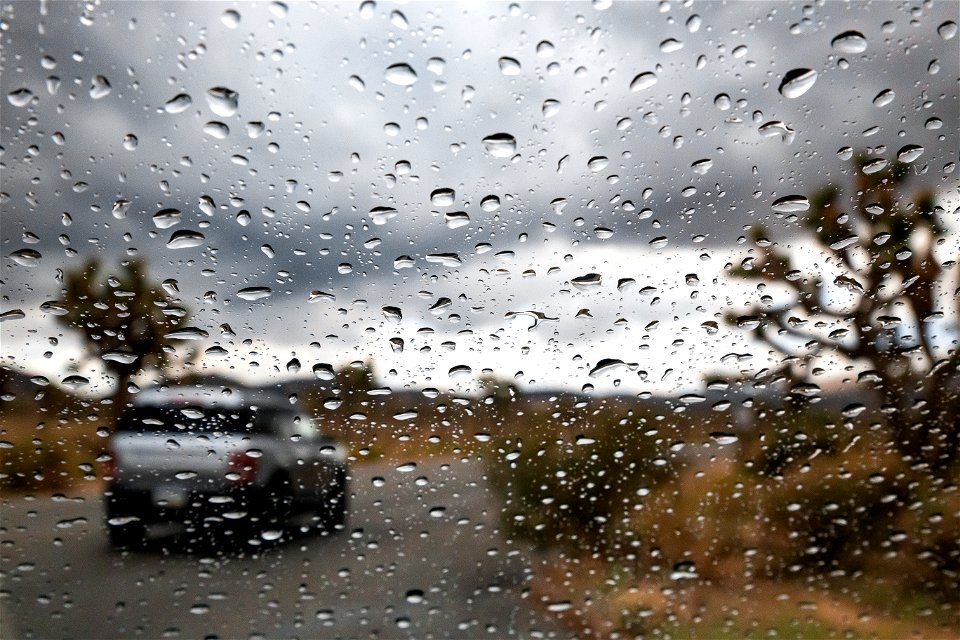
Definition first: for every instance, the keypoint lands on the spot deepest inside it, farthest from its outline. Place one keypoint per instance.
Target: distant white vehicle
(207, 456)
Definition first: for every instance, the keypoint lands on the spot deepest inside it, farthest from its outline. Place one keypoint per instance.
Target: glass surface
(621, 320)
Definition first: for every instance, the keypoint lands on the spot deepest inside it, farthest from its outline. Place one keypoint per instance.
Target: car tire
(127, 535)
(333, 512)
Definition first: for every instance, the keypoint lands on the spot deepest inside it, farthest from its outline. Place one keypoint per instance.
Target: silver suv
(207, 456)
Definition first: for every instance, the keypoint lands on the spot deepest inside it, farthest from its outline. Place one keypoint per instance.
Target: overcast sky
(342, 147)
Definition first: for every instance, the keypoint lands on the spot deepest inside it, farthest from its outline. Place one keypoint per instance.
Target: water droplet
(216, 129)
(909, 153)
(790, 204)
(380, 215)
(659, 242)
(398, 20)
(186, 333)
(20, 97)
(884, 98)
(490, 203)
(13, 314)
(509, 66)
(26, 257)
(442, 197)
(223, 101)
(414, 596)
(684, 570)
(500, 145)
(278, 9)
(873, 166)
(400, 74)
(460, 370)
(850, 42)
(550, 108)
(74, 382)
(271, 534)
(185, 239)
(403, 262)
(587, 280)
(120, 208)
(605, 365)
(324, 371)
(230, 18)
(701, 167)
(797, 82)
(130, 142)
(948, 30)
(642, 81)
(560, 606)
(693, 23)
(407, 467)
(723, 438)
(99, 87)
(670, 45)
(166, 218)
(178, 103)
(396, 345)
(456, 219)
(254, 293)
(598, 163)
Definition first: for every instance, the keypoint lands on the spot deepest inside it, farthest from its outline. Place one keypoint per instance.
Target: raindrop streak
(500, 145)
(850, 42)
(790, 204)
(178, 103)
(797, 82)
(254, 293)
(400, 74)
(223, 101)
(184, 239)
(643, 81)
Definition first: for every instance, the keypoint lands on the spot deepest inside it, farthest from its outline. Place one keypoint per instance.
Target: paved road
(421, 557)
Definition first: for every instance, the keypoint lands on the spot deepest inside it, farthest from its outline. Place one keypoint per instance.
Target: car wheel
(126, 535)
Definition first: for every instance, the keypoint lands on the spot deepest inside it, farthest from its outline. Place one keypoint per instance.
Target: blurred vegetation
(123, 317)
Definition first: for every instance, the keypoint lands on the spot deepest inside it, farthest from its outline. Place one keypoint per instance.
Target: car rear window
(195, 419)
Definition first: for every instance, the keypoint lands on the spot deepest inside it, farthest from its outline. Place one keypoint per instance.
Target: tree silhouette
(123, 317)
(887, 306)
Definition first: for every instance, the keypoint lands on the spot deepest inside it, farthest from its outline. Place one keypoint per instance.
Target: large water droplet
(443, 197)
(184, 239)
(223, 101)
(642, 81)
(456, 219)
(500, 145)
(178, 103)
(20, 97)
(99, 87)
(670, 45)
(166, 218)
(26, 257)
(797, 82)
(74, 382)
(230, 18)
(400, 74)
(550, 108)
(791, 204)
(587, 280)
(850, 42)
(509, 66)
(598, 163)
(216, 129)
(380, 215)
(254, 293)
(186, 333)
(884, 98)
(909, 153)
(948, 30)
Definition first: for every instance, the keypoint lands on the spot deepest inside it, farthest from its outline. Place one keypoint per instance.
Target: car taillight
(243, 467)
